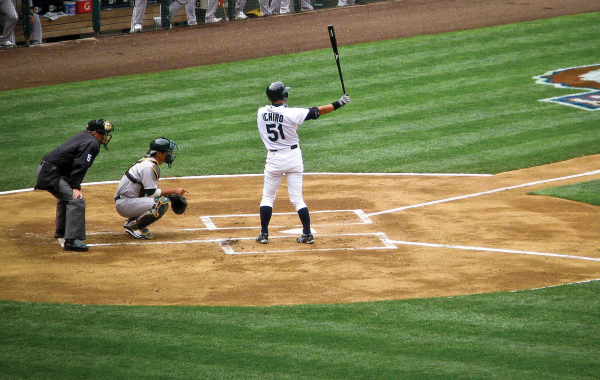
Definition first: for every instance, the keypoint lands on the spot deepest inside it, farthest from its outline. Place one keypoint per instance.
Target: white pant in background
(8, 20)
(137, 16)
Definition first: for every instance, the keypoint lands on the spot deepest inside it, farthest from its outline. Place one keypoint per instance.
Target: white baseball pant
(286, 162)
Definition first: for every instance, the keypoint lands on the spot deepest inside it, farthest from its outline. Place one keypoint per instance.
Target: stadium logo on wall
(586, 77)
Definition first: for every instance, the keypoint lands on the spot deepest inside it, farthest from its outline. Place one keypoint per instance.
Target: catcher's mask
(163, 144)
(104, 127)
(277, 91)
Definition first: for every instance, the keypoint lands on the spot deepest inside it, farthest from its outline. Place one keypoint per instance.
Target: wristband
(337, 104)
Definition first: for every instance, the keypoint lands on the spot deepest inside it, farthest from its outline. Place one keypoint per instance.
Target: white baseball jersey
(278, 125)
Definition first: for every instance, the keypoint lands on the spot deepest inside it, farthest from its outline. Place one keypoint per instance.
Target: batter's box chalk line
(227, 244)
(210, 221)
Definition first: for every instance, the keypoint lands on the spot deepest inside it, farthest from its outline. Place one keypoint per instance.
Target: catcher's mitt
(178, 203)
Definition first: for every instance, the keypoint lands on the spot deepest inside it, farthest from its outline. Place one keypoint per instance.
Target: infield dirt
(493, 237)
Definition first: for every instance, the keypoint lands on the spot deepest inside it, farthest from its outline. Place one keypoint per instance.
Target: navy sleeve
(313, 113)
(81, 163)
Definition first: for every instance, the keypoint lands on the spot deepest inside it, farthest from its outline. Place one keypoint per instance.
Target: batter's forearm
(326, 109)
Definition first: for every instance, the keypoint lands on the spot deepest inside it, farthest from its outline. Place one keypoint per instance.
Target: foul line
(400, 242)
(483, 193)
(261, 174)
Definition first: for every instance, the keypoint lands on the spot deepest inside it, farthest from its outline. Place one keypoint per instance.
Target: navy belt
(291, 147)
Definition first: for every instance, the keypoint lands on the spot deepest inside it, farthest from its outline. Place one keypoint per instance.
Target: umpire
(61, 173)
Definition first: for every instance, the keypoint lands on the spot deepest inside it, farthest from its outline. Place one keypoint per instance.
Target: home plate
(296, 231)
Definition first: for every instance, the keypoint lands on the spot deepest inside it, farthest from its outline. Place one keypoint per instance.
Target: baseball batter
(138, 197)
(277, 125)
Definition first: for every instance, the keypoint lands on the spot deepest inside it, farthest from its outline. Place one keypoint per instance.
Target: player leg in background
(211, 9)
(137, 17)
(343, 3)
(271, 184)
(36, 30)
(265, 8)
(305, 5)
(190, 11)
(176, 6)
(275, 7)
(285, 6)
(239, 10)
(294, 182)
(8, 19)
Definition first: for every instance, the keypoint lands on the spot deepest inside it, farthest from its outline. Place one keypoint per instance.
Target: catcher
(138, 197)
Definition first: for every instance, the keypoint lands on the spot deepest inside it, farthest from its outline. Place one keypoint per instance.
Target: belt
(291, 147)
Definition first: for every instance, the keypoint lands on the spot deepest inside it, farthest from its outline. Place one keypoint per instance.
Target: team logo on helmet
(585, 77)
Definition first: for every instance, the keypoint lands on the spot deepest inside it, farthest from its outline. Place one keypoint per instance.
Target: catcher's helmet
(277, 91)
(163, 144)
(104, 127)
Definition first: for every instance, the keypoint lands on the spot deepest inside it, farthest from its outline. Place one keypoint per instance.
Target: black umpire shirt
(74, 157)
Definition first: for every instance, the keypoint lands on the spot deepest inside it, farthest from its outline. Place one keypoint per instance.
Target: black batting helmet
(277, 91)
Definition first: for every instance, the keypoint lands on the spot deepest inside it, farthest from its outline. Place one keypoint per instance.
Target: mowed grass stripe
(468, 91)
(527, 334)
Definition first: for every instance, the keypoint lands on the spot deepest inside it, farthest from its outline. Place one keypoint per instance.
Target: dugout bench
(116, 20)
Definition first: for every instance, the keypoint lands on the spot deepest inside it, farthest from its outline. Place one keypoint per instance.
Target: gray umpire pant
(70, 213)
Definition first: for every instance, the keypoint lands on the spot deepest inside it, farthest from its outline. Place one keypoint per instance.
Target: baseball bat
(336, 54)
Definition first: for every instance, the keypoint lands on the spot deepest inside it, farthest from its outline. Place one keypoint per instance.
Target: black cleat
(306, 239)
(75, 245)
(263, 238)
(59, 234)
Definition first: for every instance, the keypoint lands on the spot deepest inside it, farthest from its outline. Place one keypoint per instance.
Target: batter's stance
(278, 124)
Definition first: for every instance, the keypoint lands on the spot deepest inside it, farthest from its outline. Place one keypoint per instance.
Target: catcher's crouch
(138, 197)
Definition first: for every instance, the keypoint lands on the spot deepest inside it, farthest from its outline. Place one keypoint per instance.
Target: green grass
(586, 192)
(550, 333)
(455, 102)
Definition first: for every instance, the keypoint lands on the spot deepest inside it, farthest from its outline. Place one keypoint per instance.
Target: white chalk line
(555, 286)
(483, 193)
(225, 243)
(270, 227)
(210, 225)
(400, 242)
(261, 174)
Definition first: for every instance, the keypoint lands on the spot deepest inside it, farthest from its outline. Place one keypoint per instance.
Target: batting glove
(343, 101)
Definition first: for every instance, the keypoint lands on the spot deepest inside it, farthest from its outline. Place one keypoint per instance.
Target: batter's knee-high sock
(265, 218)
(305, 219)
